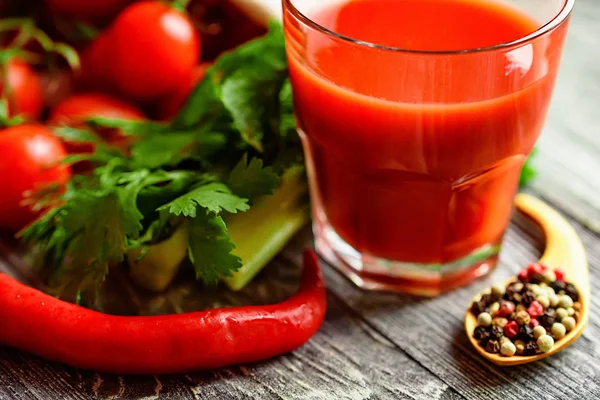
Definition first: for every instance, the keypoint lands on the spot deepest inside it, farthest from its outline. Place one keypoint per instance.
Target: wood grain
(385, 346)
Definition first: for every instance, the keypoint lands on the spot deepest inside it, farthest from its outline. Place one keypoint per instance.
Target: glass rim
(554, 23)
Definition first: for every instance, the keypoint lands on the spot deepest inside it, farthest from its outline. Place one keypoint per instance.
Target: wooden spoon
(563, 250)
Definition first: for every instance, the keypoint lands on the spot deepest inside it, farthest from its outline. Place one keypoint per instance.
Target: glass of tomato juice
(416, 118)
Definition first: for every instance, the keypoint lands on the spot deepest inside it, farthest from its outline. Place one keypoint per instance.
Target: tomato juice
(416, 127)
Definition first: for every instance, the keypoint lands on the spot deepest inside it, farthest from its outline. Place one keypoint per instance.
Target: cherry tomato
(87, 9)
(95, 65)
(77, 108)
(172, 103)
(29, 156)
(154, 49)
(26, 95)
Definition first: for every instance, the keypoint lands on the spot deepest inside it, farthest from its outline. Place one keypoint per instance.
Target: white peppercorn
(538, 331)
(494, 308)
(558, 330)
(484, 319)
(545, 343)
(561, 313)
(570, 311)
(565, 301)
(503, 340)
(553, 300)
(508, 349)
(544, 301)
(498, 290)
(569, 323)
(520, 345)
(549, 276)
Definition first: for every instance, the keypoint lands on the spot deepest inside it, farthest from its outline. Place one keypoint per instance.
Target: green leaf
(252, 180)
(287, 124)
(210, 248)
(160, 150)
(214, 197)
(129, 127)
(70, 134)
(528, 173)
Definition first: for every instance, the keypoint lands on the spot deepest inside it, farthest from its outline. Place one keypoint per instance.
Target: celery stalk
(260, 233)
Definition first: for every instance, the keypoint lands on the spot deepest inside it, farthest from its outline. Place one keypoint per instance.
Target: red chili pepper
(511, 329)
(535, 309)
(64, 332)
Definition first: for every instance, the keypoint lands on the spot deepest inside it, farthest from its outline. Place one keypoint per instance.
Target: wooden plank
(345, 360)
(569, 149)
(431, 331)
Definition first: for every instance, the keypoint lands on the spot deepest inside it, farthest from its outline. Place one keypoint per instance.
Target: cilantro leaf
(70, 134)
(528, 172)
(214, 197)
(161, 150)
(210, 248)
(252, 180)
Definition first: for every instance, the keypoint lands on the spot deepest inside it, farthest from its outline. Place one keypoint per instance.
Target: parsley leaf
(252, 180)
(214, 197)
(210, 248)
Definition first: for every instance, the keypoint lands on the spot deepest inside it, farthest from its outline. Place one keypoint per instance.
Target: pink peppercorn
(523, 275)
(511, 329)
(533, 323)
(535, 268)
(560, 274)
(535, 309)
(506, 308)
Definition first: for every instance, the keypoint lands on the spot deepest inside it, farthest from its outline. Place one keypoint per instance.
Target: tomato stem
(180, 5)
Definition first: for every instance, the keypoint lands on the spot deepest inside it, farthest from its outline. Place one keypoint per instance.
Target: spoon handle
(563, 246)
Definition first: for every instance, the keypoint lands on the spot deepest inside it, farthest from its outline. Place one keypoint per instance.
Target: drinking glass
(414, 156)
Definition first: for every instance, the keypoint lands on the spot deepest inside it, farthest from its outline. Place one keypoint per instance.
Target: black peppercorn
(558, 286)
(496, 332)
(548, 318)
(486, 299)
(530, 349)
(478, 307)
(536, 278)
(526, 288)
(571, 291)
(492, 346)
(528, 297)
(525, 333)
(480, 332)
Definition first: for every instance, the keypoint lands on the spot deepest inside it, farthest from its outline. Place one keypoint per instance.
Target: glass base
(374, 273)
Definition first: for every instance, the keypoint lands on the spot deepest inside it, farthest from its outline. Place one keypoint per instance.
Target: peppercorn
(545, 343)
(523, 275)
(530, 349)
(561, 313)
(557, 286)
(480, 332)
(525, 333)
(569, 323)
(577, 307)
(522, 318)
(538, 331)
(548, 318)
(498, 291)
(544, 301)
(560, 274)
(486, 298)
(503, 340)
(492, 346)
(520, 345)
(520, 307)
(484, 319)
(549, 276)
(478, 307)
(565, 301)
(535, 309)
(496, 332)
(499, 321)
(533, 323)
(553, 300)
(505, 309)
(536, 278)
(511, 329)
(527, 298)
(493, 309)
(508, 349)
(558, 330)
(571, 291)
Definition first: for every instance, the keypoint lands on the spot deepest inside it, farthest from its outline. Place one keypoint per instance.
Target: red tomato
(87, 9)
(28, 161)
(26, 95)
(171, 104)
(77, 108)
(95, 62)
(154, 49)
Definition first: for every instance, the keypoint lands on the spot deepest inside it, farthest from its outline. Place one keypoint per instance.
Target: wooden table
(385, 346)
